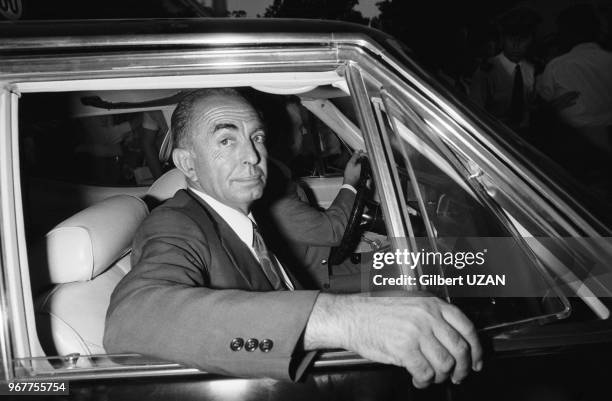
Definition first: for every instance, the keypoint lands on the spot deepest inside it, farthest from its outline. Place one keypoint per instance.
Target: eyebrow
(221, 126)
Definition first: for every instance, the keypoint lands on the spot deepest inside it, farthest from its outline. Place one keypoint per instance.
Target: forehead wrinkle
(226, 114)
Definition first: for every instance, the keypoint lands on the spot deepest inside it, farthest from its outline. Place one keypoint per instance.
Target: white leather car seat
(87, 255)
(166, 186)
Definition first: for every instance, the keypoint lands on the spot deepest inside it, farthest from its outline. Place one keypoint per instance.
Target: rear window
(119, 149)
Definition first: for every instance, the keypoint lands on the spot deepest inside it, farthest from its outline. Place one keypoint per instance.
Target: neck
(245, 209)
(512, 59)
(242, 208)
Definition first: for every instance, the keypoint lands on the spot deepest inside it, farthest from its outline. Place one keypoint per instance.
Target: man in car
(302, 235)
(205, 291)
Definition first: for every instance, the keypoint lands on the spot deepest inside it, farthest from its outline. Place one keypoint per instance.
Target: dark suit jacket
(300, 234)
(193, 288)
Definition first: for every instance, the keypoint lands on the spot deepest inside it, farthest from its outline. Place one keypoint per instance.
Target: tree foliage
(430, 28)
(316, 9)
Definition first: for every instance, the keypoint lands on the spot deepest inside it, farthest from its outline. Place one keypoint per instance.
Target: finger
(420, 369)
(355, 157)
(465, 327)
(457, 347)
(438, 357)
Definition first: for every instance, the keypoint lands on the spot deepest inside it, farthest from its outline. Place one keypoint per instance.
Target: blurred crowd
(554, 91)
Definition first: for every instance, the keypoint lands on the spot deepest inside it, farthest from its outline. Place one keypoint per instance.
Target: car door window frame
(21, 333)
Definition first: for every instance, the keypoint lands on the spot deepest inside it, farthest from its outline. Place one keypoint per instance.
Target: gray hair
(182, 117)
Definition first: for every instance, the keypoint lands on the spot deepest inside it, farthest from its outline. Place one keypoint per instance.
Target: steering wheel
(351, 236)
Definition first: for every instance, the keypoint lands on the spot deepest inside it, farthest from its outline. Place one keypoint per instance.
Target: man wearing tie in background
(504, 84)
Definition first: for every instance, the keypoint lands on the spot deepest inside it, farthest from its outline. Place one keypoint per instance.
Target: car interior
(84, 202)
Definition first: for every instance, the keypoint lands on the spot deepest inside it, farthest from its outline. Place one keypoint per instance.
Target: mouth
(249, 179)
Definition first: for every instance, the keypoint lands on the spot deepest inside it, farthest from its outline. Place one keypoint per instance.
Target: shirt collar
(238, 221)
(509, 65)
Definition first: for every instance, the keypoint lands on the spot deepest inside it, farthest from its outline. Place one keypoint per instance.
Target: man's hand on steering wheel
(352, 171)
(352, 234)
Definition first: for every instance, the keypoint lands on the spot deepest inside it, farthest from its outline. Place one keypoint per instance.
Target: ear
(183, 160)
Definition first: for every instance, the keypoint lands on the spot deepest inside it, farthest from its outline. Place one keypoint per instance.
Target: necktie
(268, 262)
(517, 103)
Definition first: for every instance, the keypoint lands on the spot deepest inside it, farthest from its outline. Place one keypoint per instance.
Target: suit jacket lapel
(240, 255)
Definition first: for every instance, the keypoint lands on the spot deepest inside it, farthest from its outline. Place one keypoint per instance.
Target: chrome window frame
(8, 232)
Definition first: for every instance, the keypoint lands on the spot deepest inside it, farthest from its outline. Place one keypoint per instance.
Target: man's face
(515, 47)
(229, 153)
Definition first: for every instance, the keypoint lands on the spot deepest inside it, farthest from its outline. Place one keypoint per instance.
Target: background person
(504, 84)
(584, 75)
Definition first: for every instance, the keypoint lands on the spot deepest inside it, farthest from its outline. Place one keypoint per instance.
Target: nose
(250, 154)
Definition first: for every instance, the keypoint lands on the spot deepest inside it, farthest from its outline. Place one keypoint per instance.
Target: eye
(259, 138)
(225, 141)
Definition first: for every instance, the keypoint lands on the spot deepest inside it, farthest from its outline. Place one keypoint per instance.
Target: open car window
(118, 149)
(98, 130)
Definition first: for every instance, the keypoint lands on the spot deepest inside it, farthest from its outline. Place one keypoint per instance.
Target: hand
(565, 100)
(430, 338)
(352, 171)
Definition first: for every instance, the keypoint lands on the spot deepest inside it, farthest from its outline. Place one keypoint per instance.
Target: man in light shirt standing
(585, 71)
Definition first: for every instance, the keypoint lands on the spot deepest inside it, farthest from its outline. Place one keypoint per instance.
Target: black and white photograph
(308, 200)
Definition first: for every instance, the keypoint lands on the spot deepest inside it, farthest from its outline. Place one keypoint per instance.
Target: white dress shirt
(587, 69)
(242, 225)
(492, 87)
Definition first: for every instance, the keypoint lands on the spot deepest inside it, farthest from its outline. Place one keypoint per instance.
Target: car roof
(180, 25)
(20, 36)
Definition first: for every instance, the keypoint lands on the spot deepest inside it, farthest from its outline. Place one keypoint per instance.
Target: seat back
(166, 186)
(87, 255)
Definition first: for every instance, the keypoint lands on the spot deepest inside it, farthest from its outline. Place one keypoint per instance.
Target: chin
(251, 196)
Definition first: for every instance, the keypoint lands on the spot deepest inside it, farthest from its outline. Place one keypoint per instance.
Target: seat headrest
(86, 244)
(166, 186)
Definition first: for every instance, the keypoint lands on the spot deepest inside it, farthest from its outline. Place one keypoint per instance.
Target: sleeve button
(236, 344)
(266, 345)
(251, 344)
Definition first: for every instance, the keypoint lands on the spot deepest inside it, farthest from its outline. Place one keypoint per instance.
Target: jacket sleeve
(300, 222)
(165, 308)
